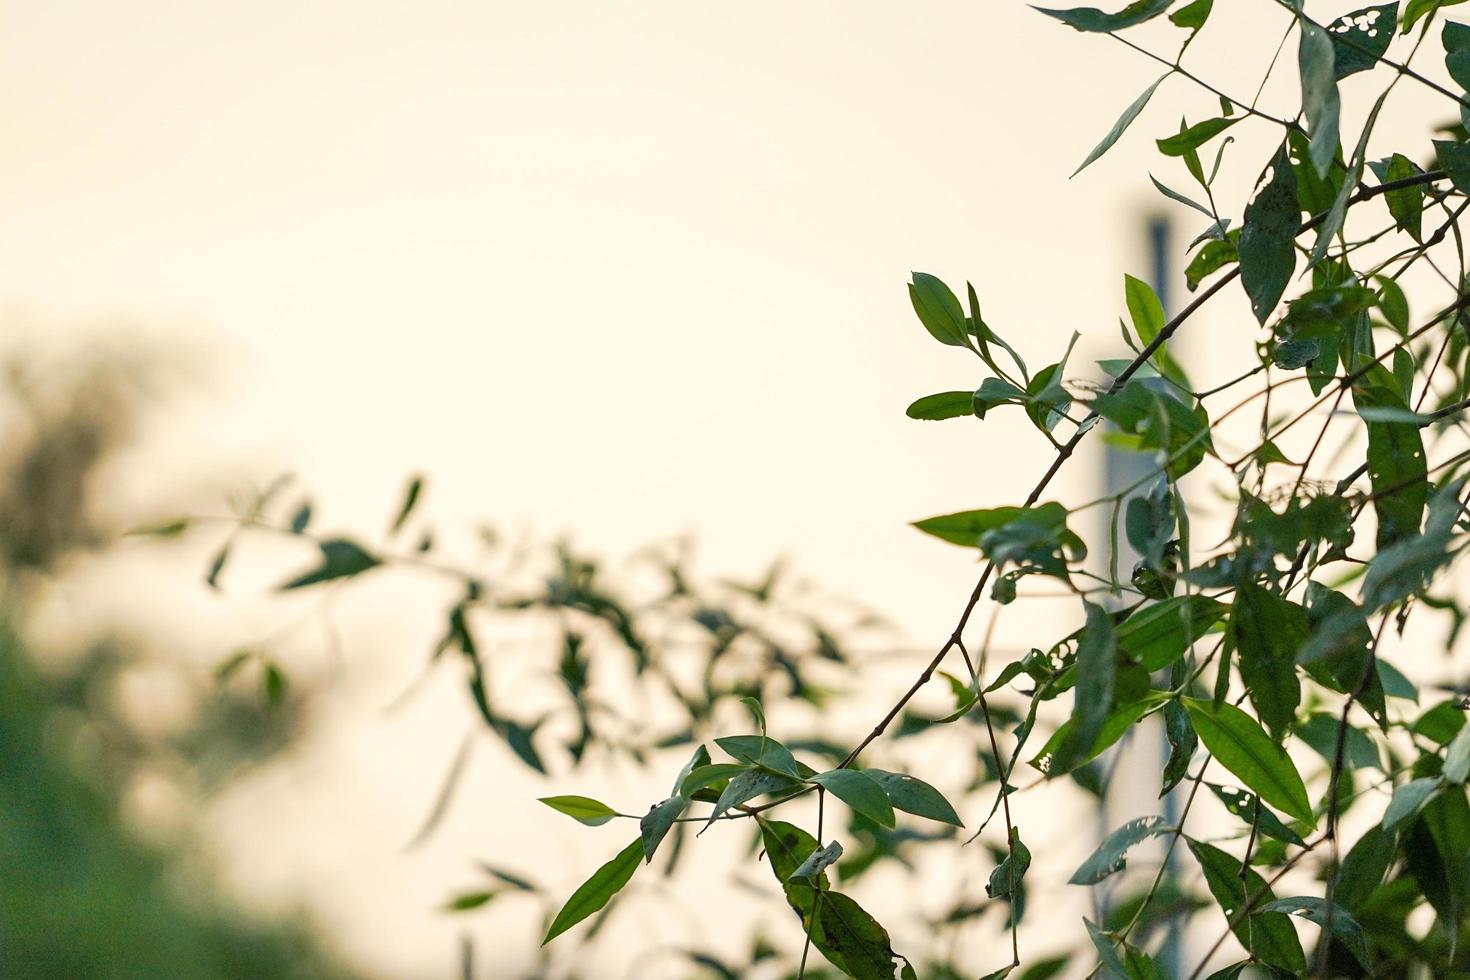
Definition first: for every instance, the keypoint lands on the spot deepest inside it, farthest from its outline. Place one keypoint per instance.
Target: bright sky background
(629, 269)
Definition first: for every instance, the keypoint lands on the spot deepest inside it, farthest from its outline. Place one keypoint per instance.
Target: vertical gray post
(1122, 469)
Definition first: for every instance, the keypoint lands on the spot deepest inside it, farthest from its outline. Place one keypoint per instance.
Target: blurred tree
(84, 895)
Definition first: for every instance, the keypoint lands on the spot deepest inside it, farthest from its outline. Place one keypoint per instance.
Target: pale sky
(627, 269)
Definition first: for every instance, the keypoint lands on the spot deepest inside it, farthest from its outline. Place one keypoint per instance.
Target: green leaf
(703, 776)
(1325, 914)
(1148, 318)
(1005, 880)
(1097, 656)
(860, 791)
(1406, 205)
(1110, 856)
(1119, 127)
(761, 751)
(853, 940)
(469, 900)
(912, 795)
(582, 809)
(1211, 259)
(301, 519)
(1243, 805)
(840, 929)
(1133, 964)
(1360, 38)
(1182, 743)
(1268, 236)
(1457, 758)
(1095, 21)
(655, 825)
(163, 529)
(1408, 799)
(1267, 630)
(1454, 159)
(1396, 464)
(1241, 746)
(411, 496)
(1193, 137)
(944, 405)
(1159, 634)
(1192, 16)
(818, 862)
(340, 559)
(597, 890)
(1418, 8)
(993, 392)
(1118, 722)
(965, 527)
(1268, 936)
(747, 786)
(1320, 731)
(273, 683)
(939, 310)
(1319, 93)
(1363, 869)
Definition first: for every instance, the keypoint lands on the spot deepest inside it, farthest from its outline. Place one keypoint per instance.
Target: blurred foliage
(85, 894)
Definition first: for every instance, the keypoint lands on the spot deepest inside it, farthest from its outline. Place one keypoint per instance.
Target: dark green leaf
(1326, 915)
(1005, 880)
(582, 809)
(1320, 731)
(945, 405)
(1211, 259)
(1097, 656)
(1267, 630)
(1193, 137)
(761, 751)
(1244, 804)
(1110, 856)
(1159, 634)
(1182, 743)
(1241, 746)
(860, 791)
(703, 776)
(1407, 207)
(938, 310)
(1268, 236)
(340, 559)
(410, 500)
(839, 928)
(1363, 869)
(1454, 159)
(747, 786)
(597, 890)
(1268, 936)
(1360, 38)
(912, 795)
(1192, 16)
(1120, 721)
(655, 825)
(1095, 21)
(1396, 463)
